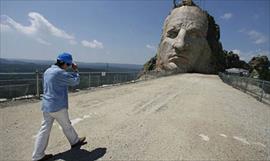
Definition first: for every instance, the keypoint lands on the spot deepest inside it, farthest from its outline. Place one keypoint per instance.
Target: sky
(120, 31)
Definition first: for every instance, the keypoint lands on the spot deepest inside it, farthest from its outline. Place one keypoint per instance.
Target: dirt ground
(180, 117)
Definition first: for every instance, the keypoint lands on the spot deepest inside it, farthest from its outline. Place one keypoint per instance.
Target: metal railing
(20, 85)
(259, 89)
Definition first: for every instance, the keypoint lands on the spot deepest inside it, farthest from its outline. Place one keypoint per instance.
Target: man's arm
(70, 79)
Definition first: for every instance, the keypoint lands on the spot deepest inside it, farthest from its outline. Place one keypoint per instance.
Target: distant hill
(25, 65)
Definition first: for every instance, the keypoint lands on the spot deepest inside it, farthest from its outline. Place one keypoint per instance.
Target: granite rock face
(189, 42)
(183, 46)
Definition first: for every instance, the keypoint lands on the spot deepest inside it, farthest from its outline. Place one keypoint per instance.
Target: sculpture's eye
(172, 33)
(194, 34)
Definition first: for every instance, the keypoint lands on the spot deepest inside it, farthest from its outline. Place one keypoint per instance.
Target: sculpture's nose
(179, 43)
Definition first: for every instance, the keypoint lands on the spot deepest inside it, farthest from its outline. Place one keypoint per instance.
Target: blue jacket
(55, 88)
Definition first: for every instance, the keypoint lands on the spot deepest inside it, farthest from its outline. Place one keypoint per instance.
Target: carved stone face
(183, 45)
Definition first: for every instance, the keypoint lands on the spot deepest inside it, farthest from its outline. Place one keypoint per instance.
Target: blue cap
(65, 57)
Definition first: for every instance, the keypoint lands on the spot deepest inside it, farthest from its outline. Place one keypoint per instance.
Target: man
(55, 105)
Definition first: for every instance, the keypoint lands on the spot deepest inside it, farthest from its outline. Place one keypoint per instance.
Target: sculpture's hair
(213, 36)
(184, 3)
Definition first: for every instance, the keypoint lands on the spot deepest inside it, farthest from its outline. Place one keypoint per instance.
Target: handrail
(259, 89)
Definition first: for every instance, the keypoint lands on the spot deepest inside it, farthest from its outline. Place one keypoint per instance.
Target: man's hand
(75, 67)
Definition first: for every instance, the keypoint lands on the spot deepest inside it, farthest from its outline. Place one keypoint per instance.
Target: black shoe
(46, 157)
(80, 142)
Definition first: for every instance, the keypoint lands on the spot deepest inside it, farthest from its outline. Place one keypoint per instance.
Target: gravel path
(187, 116)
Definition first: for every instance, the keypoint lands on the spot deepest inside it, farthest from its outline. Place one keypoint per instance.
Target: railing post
(113, 80)
(262, 91)
(89, 80)
(134, 76)
(246, 85)
(37, 84)
(98, 80)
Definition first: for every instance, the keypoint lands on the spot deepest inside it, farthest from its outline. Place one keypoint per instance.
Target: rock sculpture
(189, 42)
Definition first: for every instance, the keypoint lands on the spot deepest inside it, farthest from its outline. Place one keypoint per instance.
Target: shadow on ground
(78, 154)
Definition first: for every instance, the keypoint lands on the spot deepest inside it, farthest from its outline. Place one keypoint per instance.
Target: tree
(261, 64)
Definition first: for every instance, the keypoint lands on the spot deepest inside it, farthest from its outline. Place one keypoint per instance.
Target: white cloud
(4, 28)
(240, 54)
(264, 52)
(92, 44)
(151, 47)
(227, 16)
(39, 27)
(73, 42)
(257, 37)
(247, 56)
(6, 20)
(43, 41)
(236, 51)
